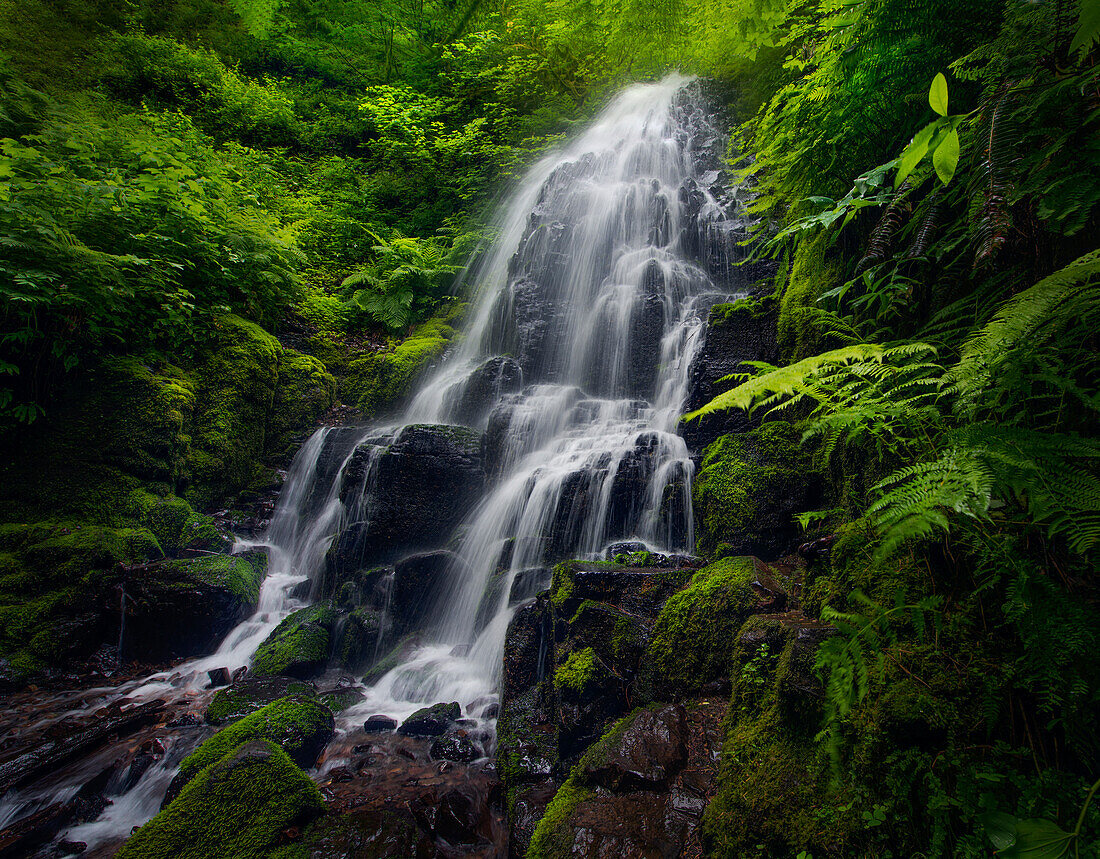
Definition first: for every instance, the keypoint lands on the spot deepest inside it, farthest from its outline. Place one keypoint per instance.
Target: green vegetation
(240, 805)
(300, 726)
(299, 645)
(218, 219)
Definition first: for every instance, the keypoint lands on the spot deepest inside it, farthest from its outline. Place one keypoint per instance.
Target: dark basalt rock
(380, 725)
(484, 389)
(184, 607)
(218, 677)
(645, 755)
(431, 721)
(417, 580)
(528, 583)
(734, 334)
(422, 487)
(455, 745)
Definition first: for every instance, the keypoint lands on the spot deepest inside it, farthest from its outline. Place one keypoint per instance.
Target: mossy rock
(251, 694)
(234, 400)
(299, 646)
(553, 838)
(239, 806)
(696, 632)
(304, 390)
(301, 726)
(375, 383)
(749, 488)
(175, 524)
(811, 274)
(185, 606)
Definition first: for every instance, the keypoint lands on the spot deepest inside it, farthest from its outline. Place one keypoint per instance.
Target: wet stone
(218, 677)
(431, 721)
(454, 746)
(380, 725)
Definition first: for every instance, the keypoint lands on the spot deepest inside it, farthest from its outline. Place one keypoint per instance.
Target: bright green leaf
(946, 157)
(1038, 839)
(914, 153)
(937, 95)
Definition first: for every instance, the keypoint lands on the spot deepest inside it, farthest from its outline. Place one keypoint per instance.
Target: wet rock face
(486, 385)
(641, 791)
(185, 607)
(734, 334)
(299, 646)
(422, 487)
(394, 797)
(416, 579)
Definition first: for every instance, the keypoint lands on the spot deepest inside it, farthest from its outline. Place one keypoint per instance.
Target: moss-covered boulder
(696, 632)
(300, 726)
(238, 806)
(749, 488)
(186, 606)
(378, 382)
(251, 694)
(299, 646)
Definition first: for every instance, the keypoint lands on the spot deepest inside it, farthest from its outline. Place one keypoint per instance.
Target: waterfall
(574, 363)
(588, 310)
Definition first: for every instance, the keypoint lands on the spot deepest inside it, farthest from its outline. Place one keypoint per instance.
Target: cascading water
(589, 309)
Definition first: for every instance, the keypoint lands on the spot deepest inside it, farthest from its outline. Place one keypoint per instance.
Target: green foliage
(238, 806)
(405, 270)
(577, 670)
(847, 661)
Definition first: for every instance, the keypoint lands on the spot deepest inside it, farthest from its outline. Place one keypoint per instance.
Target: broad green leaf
(914, 153)
(1000, 827)
(1089, 30)
(1038, 839)
(946, 157)
(937, 95)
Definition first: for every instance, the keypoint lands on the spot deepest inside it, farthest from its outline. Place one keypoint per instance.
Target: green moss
(304, 390)
(238, 806)
(233, 702)
(739, 475)
(578, 670)
(234, 401)
(810, 276)
(553, 838)
(377, 381)
(299, 645)
(294, 723)
(231, 572)
(757, 308)
(695, 633)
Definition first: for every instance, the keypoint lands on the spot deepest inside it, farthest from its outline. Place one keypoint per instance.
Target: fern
(1067, 301)
(851, 661)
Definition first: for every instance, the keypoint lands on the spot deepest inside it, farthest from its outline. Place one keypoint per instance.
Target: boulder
(642, 752)
(185, 607)
(358, 636)
(240, 806)
(299, 646)
(454, 745)
(251, 694)
(431, 721)
(302, 727)
(421, 487)
(528, 583)
(380, 725)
